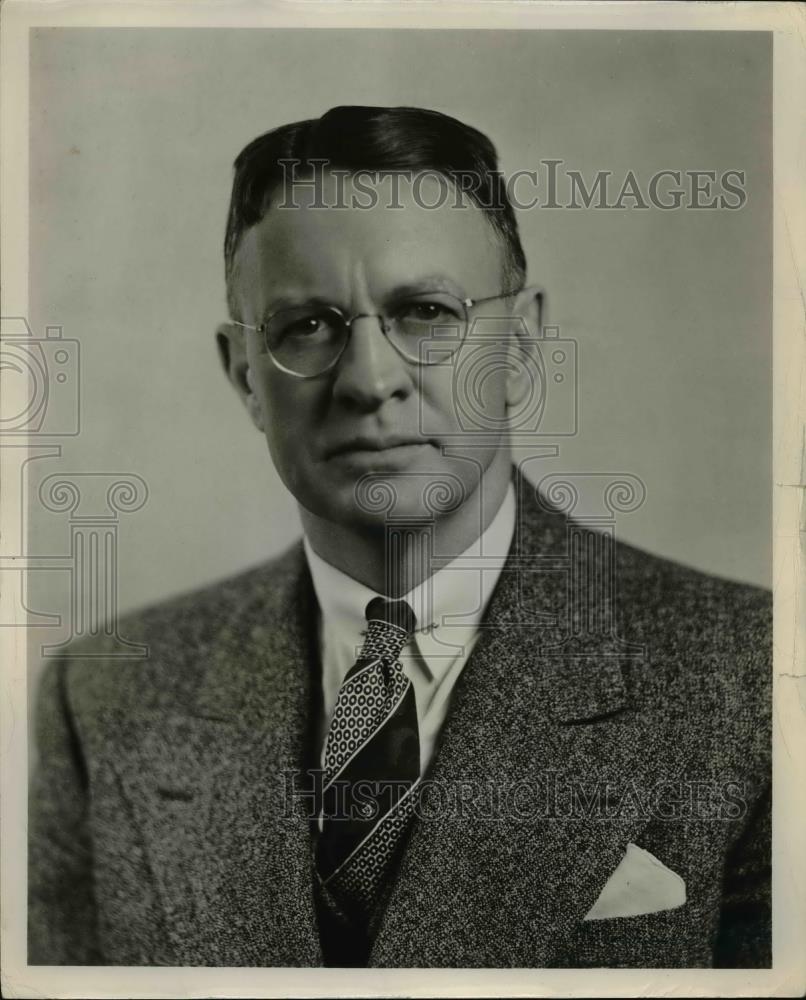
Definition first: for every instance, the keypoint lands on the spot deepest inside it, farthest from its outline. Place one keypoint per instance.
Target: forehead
(370, 237)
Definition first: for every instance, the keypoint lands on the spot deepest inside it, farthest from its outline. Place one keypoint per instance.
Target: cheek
(287, 417)
(470, 393)
(437, 414)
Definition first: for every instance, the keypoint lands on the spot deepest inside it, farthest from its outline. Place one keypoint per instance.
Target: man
(453, 727)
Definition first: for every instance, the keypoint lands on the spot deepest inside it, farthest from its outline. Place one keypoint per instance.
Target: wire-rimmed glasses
(308, 340)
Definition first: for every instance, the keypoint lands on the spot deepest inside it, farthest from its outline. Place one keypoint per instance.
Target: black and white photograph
(402, 452)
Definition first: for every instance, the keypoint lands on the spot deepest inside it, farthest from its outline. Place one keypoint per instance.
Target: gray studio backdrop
(133, 133)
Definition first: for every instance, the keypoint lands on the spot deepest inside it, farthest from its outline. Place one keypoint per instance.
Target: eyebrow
(419, 286)
(292, 301)
(429, 283)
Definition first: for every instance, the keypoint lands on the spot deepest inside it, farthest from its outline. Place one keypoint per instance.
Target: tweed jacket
(160, 826)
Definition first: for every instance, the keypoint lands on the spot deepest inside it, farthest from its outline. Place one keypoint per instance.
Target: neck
(392, 559)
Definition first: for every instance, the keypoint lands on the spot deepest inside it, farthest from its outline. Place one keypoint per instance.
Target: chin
(408, 497)
(376, 499)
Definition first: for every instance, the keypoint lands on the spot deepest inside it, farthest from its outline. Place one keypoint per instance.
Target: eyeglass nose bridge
(384, 322)
(386, 330)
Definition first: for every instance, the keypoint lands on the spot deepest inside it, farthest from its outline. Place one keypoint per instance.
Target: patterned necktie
(372, 769)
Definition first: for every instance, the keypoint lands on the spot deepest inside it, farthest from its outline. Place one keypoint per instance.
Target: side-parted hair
(378, 140)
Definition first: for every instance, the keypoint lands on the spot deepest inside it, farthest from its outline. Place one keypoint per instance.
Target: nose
(370, 371)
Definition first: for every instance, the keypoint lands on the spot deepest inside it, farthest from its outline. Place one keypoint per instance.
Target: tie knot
(389, 625)
(397, 613)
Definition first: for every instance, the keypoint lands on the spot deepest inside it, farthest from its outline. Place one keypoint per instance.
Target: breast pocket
(668, 939)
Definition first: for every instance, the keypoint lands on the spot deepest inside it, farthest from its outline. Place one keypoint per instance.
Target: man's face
(375, 413)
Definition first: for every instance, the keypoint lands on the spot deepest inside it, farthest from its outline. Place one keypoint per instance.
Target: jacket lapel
(228, 847)
(516, 837)
(541, 722)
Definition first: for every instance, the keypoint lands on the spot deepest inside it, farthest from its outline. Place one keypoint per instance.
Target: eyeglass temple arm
(469, 303)
(540, 295)
(491, 298)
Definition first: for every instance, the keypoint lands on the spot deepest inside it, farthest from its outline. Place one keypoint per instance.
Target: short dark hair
(383, 140)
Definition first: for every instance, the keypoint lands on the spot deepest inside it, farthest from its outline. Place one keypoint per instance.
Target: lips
(376, 444)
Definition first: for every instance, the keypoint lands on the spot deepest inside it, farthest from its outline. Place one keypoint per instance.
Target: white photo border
(787, 22)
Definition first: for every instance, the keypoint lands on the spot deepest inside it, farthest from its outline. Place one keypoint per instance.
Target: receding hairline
(511, 273)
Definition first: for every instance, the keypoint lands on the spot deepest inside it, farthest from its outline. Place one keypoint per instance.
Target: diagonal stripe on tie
(379, 775)
(365, 703)
(372, 766)
(360, 879)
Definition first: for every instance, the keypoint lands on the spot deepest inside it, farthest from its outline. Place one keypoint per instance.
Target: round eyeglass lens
(427, 328)
(306, 340)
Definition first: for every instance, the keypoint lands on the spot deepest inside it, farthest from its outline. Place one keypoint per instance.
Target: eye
(430, 311)
(305, 327)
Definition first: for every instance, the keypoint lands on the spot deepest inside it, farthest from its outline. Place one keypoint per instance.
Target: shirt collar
(449, 605)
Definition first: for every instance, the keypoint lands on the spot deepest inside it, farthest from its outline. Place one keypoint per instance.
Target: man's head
(315, 223)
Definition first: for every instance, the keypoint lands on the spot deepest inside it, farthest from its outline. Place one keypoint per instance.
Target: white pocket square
(640, 884)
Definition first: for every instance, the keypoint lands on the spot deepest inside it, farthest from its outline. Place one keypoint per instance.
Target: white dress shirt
(449, 607)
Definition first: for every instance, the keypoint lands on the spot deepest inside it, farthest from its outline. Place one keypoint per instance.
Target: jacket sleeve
(744, 939)
(61, 906)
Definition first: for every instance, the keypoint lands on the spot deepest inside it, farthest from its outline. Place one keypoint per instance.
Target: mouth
(378, 445)
(374, 449)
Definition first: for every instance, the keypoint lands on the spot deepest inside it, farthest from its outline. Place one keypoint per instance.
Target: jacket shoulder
(693, 639)
(690, 608)
(179, 635)
(707, 663)
(195, 613)
(651, 595)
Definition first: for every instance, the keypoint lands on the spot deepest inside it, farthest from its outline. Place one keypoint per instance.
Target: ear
(231, 343)
(528, 311)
